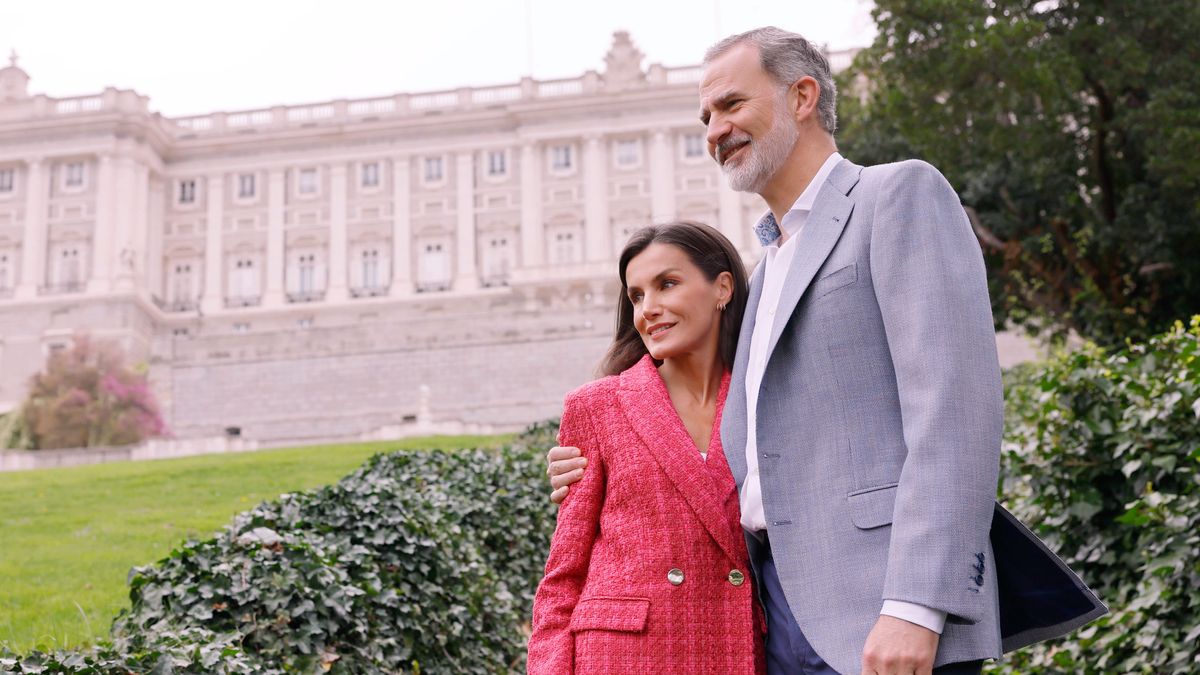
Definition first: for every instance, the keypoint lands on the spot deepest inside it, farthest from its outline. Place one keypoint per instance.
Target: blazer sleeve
(551, 645)
(928, 275)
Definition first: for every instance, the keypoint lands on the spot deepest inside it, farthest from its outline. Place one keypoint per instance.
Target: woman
(648, 571)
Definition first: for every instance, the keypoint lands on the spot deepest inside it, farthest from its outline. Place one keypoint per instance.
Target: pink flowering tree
(88, 397)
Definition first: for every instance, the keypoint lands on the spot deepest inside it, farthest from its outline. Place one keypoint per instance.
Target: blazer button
(675, 576)
(737, 578)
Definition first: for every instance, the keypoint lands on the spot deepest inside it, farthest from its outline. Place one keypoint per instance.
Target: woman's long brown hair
(708, 250)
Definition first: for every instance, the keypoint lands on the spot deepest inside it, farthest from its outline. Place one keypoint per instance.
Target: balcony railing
(243, 300)
(188, 305)
(306, 296)
(417, 104)
(433, 286)
(368, 291)
(63, 288)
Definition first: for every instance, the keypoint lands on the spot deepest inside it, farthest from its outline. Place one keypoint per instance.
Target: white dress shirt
(776, 261)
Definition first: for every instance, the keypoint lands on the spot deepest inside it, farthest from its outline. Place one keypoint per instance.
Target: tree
(1069, 129)
(88, 397)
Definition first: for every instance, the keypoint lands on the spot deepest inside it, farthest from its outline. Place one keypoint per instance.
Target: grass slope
(68, 537)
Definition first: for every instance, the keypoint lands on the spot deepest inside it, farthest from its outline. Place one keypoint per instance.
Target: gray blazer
(879, 426)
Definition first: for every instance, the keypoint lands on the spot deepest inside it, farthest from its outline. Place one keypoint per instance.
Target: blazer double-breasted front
(648, 569)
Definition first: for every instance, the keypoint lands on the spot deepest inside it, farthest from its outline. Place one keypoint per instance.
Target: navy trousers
(788, 652)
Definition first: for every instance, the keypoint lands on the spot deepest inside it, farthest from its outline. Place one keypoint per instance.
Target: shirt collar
(767, 228)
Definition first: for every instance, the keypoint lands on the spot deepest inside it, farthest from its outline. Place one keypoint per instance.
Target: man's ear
(803, 96)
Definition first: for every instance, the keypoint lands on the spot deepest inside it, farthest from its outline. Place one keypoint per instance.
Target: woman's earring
(721, 307)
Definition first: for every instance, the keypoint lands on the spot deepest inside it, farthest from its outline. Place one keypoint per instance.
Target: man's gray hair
(787, 57)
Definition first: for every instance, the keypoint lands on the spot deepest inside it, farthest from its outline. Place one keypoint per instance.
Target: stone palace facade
(337, 270)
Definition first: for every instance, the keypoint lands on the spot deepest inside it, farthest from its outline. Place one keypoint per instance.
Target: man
(864, 419)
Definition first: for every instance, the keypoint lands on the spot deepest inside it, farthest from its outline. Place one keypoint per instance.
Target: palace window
(74, 175)
(433, 271)
(244, 284)
(434, 170)
(565, 248)
(693, 145)
(187, 191)
(5, 273)
(246, 186)
(497, 163)
(6, 180)
(69, 275)
(497, 261)
(628, 153)
(370, 175)
(308, 273)
(241, 327)
(307, 182)
(181, 284)
(562, 158)
(370, 268)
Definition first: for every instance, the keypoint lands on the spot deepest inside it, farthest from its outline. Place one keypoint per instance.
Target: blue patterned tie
(767, 229)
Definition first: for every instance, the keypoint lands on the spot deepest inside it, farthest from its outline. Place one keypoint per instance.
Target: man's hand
(897, 647)
(564, 466)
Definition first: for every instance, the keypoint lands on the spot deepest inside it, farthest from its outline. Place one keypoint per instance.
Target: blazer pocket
(836, 279)
(625, 615)
(872, 507)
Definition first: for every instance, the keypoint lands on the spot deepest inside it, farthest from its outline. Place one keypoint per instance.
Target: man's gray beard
(767, 157)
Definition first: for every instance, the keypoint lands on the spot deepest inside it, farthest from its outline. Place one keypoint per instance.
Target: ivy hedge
(1101, 457)
(426, 562)
(418, 562)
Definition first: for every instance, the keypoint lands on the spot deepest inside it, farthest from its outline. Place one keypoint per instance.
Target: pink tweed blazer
(648, 571)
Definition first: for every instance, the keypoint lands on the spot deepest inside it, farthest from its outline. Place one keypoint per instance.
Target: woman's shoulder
(595, 393)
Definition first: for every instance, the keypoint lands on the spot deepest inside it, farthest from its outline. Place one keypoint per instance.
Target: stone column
(103, 233)
(402, 277)
(125, 216)
(214, 254)
(156, 218)
(730, 213)
(597, 226)
(337, 290)
(276, 255)
(33, 241)
(662, 178)
(137, 262)
(465, 276)
(533, 236)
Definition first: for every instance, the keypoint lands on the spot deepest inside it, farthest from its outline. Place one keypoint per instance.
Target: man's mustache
(730, 145)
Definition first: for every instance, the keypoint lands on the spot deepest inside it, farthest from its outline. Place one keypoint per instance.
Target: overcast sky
(207, 55)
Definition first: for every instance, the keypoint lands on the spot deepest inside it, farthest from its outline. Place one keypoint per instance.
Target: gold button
(675, 576)
(737, 578)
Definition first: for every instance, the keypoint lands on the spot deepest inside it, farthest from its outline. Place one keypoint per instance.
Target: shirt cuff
(926, 617)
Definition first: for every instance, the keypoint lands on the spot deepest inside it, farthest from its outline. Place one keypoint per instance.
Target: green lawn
(68, 537)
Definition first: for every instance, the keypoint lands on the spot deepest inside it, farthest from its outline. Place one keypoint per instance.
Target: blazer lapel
(824, 226)
(733, 421)
(647, 407)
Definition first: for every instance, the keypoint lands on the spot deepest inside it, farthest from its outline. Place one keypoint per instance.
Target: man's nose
(717, 130)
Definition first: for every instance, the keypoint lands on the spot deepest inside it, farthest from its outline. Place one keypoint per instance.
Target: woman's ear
(724, 285)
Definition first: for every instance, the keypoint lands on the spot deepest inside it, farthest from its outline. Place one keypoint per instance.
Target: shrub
(1101, 456)
(14, 434)
(88, 397)
(418, 562)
